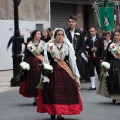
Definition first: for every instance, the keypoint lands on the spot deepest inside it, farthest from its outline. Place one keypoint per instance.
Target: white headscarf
(72, 58)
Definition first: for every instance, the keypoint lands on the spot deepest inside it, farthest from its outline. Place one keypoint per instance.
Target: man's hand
(101, 60)
(94, 49)
(87, 47)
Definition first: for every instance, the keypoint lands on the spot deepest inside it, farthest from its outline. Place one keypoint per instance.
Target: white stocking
(93, 81)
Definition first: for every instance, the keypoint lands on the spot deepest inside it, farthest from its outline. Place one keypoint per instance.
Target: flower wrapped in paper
(46, 70)
(24, 67)
(105, 66)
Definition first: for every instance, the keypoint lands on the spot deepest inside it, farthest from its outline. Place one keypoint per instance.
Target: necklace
(36, 42)
(59, 45)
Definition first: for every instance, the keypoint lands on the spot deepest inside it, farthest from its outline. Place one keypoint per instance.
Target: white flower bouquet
(24, 67)
(105, 66)
(77, 34)
(46, 70)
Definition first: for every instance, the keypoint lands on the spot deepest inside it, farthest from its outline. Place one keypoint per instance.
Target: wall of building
(7, 30)
(30, 18)
(80, 16)
(82, 2)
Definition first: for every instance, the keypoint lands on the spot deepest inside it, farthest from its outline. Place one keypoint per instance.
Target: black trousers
(94, 63)
(83, 69)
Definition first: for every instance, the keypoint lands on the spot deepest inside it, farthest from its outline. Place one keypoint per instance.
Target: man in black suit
(76, 37)
(12, 38)
(95, 47)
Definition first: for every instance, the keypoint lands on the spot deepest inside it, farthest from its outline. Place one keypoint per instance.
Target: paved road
(5, 78)
(15, 107)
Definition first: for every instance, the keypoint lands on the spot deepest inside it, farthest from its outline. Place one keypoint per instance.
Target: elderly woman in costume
(110, 86)
(33, 56)
(60, 95)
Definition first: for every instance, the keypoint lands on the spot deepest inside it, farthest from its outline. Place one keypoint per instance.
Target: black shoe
(60, 118)
(34, 103)
(114, 101)
(92, 89)
(52, 117)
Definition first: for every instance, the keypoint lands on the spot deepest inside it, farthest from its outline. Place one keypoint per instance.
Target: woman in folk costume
(113, 57)
(101, 90)
(107, 40)
(60, 95)
(110, 86)
(33, 57)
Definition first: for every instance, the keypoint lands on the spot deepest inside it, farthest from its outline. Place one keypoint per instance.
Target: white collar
(107, 41)
(94, 38)
(72, 33)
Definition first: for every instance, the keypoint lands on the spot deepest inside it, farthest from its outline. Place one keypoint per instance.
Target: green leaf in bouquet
(100, 77)
(53, 53)
(18, 77)
(41, 67)
(41, 84)
(34, 52)
(45, 72)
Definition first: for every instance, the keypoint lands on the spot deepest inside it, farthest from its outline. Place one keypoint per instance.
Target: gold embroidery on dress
(37, 49)
(60, 53)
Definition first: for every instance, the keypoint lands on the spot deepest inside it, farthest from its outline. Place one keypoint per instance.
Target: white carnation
(48, 67)
(25, 66)
(106, 65)
(78, 34)
(46, 79)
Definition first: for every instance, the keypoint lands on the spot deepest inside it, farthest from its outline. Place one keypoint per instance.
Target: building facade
(62, 9)
(33, 14)
(40, 14)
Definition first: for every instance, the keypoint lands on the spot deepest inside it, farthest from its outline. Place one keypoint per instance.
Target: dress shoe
(34, 103)
(114, 101)
(52, 117)
(60, 118)
(92, 89)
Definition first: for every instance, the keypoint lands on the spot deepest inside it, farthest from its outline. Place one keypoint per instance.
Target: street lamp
(17, 46)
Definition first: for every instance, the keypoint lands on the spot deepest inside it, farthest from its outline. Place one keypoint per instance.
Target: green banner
(106, 15)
